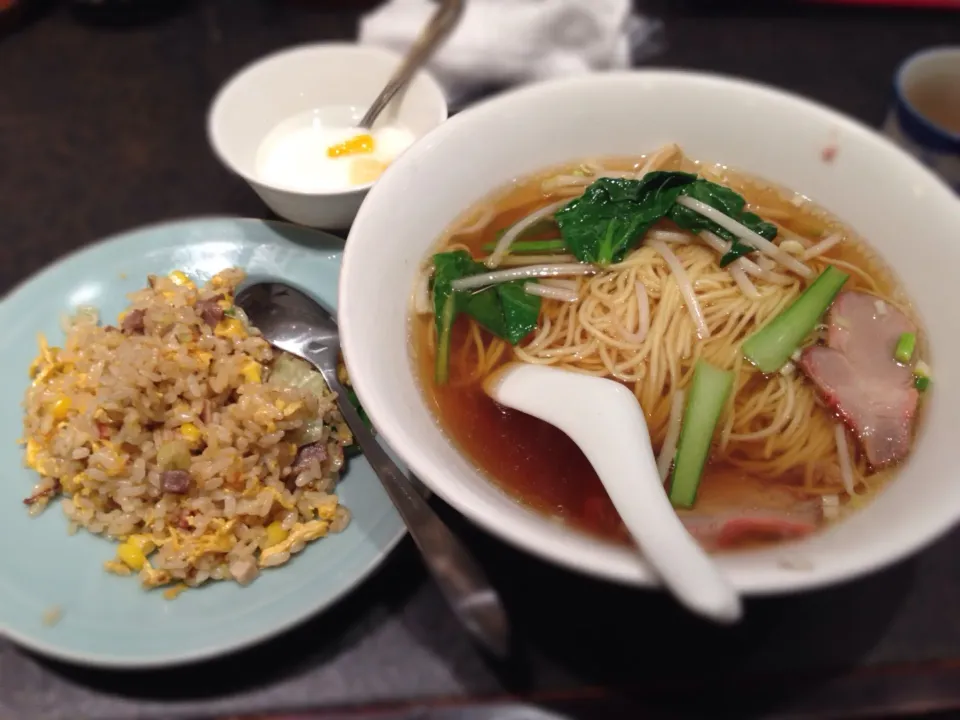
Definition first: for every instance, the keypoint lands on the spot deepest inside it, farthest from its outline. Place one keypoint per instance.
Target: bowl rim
(386, 416)
(240, 76)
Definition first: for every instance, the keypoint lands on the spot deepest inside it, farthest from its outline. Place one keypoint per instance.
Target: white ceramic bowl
(293, 81)
(907, 214)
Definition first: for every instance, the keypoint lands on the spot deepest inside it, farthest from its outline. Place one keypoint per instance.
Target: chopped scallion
(905, 347)
(921, 382)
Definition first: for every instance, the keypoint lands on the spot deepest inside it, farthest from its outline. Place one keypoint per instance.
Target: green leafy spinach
(728, 202)
(506, 310)
(611, 217)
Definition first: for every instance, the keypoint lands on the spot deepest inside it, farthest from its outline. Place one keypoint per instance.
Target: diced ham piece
(133, 322)
(210, 311)
(177, 482)
(857, 376)
(306, 455)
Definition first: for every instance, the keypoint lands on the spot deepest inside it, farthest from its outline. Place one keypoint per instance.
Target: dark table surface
(102, 129)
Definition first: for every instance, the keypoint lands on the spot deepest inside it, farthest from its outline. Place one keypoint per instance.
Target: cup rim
(949, 139)
(215, 109)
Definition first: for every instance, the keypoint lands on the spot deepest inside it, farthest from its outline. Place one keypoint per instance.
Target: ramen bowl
(904, 211)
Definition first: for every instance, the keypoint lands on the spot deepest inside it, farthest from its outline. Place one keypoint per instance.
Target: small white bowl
(300, 79)
(903, 210)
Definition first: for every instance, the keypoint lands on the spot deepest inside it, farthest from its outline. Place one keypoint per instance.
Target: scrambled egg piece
(230, 328)
(301, 532)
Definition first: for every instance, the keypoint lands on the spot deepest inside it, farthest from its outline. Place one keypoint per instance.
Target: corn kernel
(191, 432)
(180, 278)
(230, 328)
(143, 543)
(60, 408)
(226, 303)
(121, 317)
(204, 358)
(275, 534)
(131, 555)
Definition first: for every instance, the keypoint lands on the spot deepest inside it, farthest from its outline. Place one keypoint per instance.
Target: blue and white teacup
(925, 117)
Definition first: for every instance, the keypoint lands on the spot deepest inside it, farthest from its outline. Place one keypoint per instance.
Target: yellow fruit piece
(252, 372)
(357, 145)
(230, 328)
(365, 170)
(60, 407)
(142, 542)
(191, 432)
(131, 555)
(275, 534)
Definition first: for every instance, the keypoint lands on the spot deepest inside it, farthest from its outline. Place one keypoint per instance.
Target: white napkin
(506, 42)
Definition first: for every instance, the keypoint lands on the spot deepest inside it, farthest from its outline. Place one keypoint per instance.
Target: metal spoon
(605, 420)
(442, 23)
(293, 322)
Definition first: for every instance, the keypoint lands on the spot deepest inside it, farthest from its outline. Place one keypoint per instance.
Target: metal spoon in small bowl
(604, 419)
(293, 322)
(442, 23)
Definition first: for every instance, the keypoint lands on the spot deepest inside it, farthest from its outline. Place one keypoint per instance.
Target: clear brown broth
(538, 464)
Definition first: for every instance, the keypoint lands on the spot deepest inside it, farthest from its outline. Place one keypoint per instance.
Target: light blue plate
(108, 620)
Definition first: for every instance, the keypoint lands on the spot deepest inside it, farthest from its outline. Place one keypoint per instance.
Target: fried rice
(181, 434)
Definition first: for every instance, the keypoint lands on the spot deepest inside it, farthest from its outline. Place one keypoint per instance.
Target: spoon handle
(441, 24)
(459, 577)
